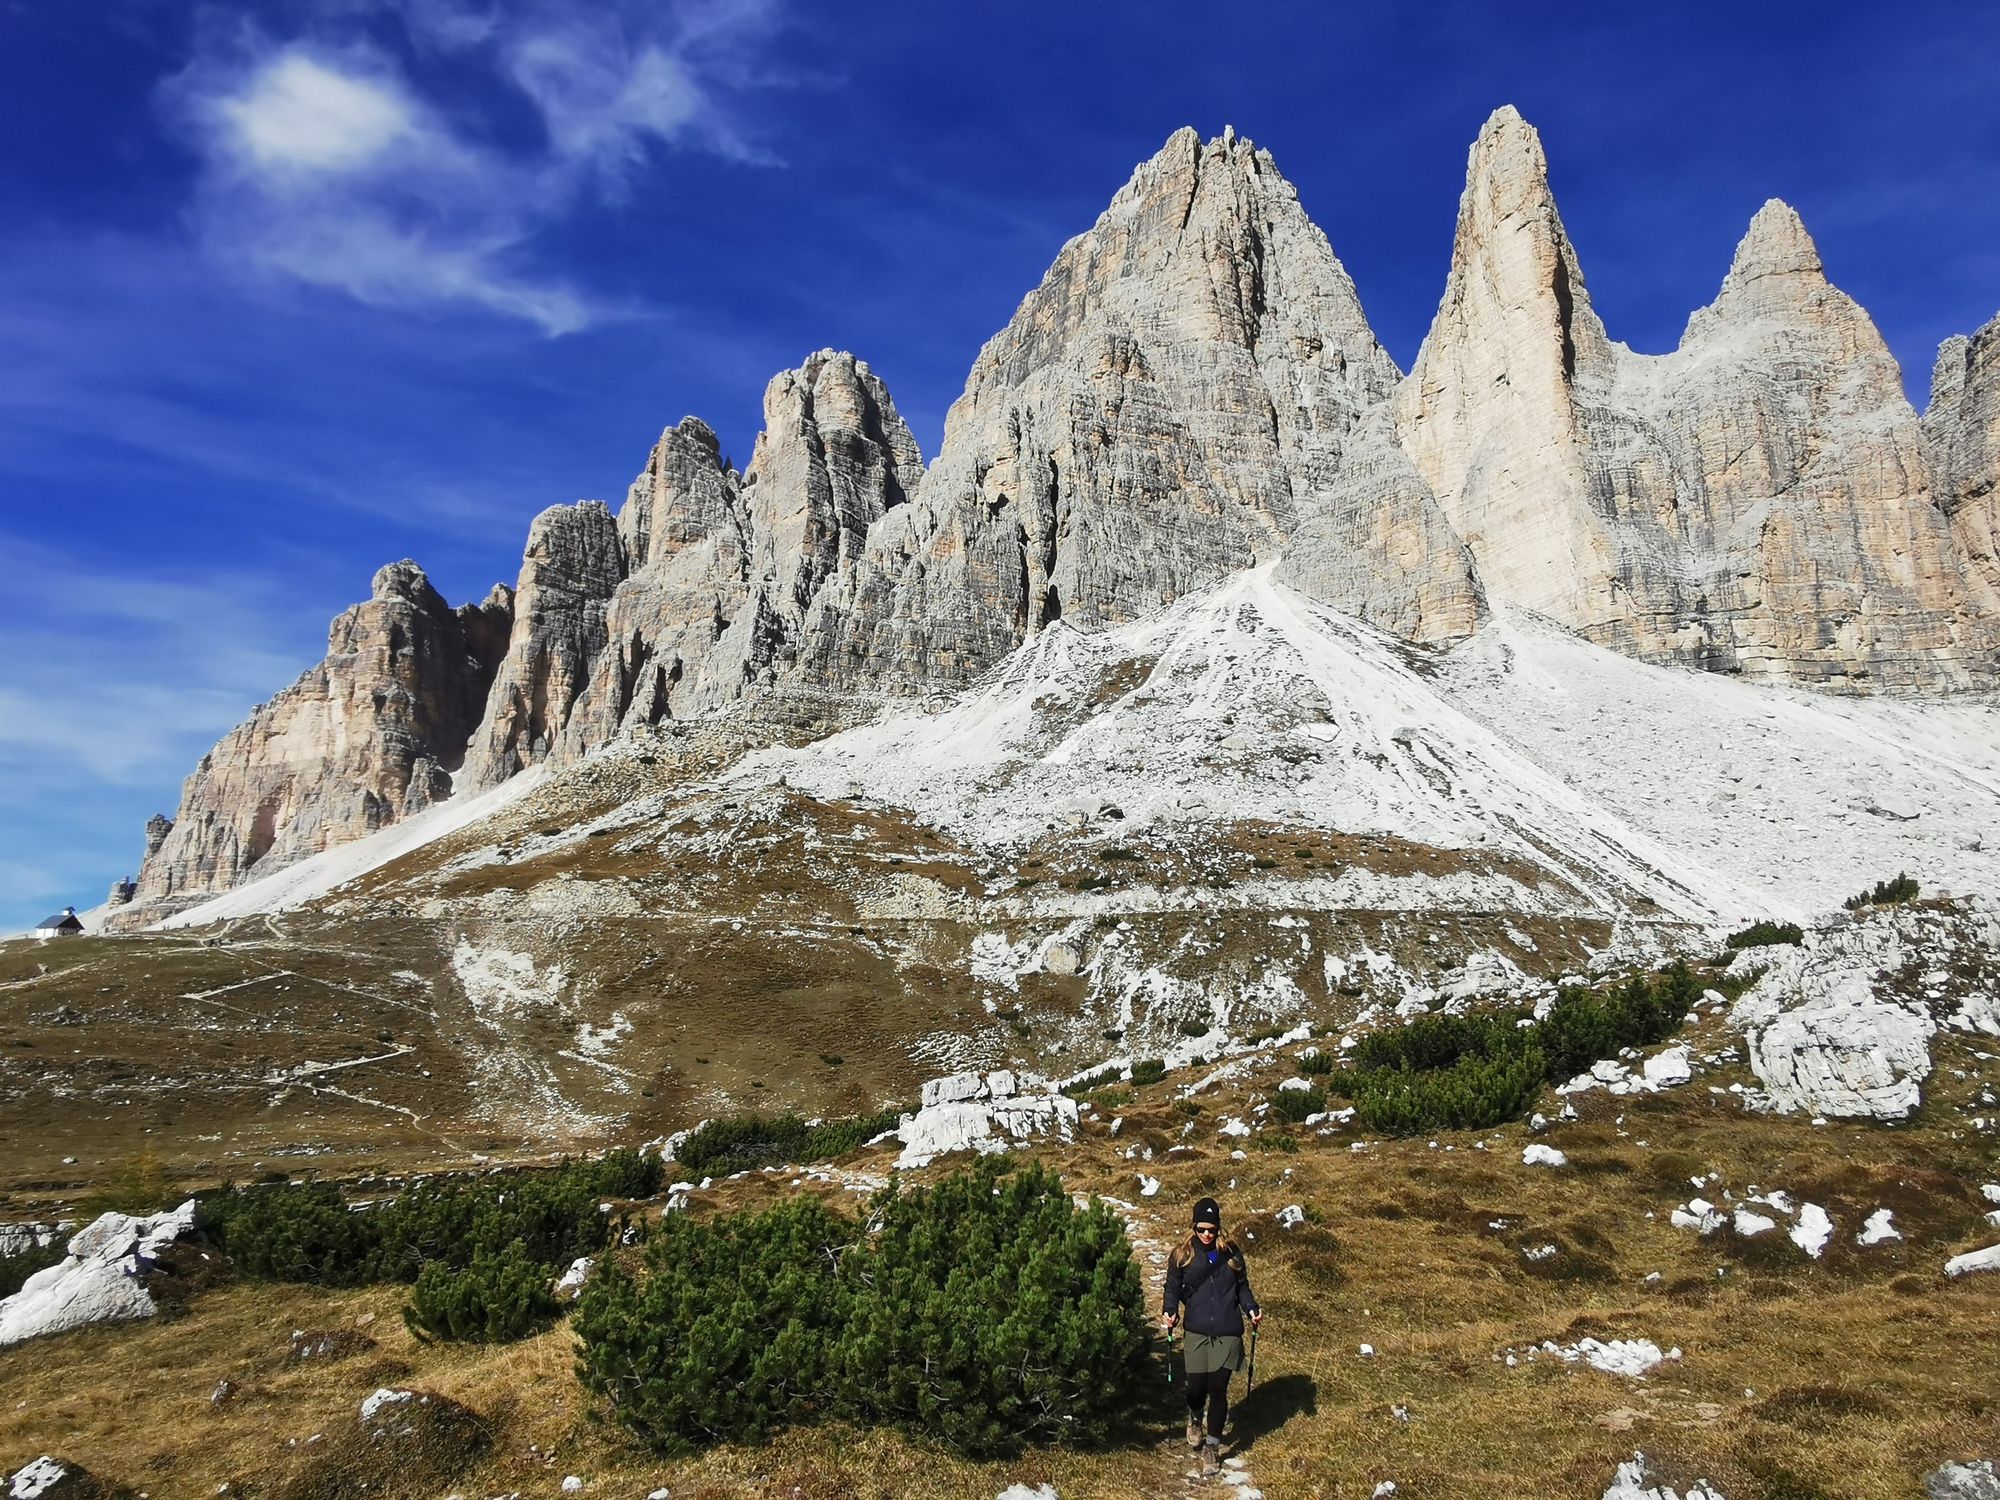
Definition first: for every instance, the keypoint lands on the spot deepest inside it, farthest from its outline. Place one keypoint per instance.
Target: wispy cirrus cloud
(368, 152)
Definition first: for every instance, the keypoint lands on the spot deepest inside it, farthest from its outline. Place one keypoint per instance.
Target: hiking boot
(1194, 1432)
(1211, 1458)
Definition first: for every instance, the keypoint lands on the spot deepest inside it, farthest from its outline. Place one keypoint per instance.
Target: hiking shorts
(1214, 1351)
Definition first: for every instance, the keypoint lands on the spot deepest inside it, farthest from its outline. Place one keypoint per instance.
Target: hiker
(1207, 1295)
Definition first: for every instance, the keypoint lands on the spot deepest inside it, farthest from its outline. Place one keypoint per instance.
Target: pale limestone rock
(572, 565)
(1962, 427)
(1193, 389)
(723, 568)
(983, 1113)
(1977, 1480)
(1758, 501)
(369, 735)
(101, 1280)
(1823, 1041)
(1634, 1482)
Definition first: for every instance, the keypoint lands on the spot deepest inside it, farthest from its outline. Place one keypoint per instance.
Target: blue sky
(295, 288)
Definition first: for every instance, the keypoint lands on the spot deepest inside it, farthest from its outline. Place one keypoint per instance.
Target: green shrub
(1436, 1041)
(1766, 935)
(747, 1142)
(1471, 1094)
(987, 1312)
(308, 1232)
(1885, 893)
(1293, 1105)
(494, 1300)
(1316, 1064)
(1192, 1027)
(1077, 1088)
(1471, 1072)
(294, 1232)
(16, 1269)
(731, 1332)
(1149, 1070)
(995, 1313)
(553, 1215)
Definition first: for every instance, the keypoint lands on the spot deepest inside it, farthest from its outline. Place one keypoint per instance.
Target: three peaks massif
(1192, 391)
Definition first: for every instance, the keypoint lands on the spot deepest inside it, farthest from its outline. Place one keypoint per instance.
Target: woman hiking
(1208, 1295)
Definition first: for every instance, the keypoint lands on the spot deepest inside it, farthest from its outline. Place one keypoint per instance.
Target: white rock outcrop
(1973, 1261)
(1632, 1482)
(1759, 501)
(987, 1113)
(1969, 1481)
(101, 1281)
(1826, 1036)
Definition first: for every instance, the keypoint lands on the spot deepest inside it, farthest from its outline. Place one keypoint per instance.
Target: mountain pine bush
(1471, 1094)
(1294, 1105)
(1766, 935)
(294, 1232)
(1149, 1070)
(496, 1299)
(987, 1312)
(1886, 893)
(1470, 1072)
(730, 1333)
(480, 1251)
(993, 1312)
(747, 1142)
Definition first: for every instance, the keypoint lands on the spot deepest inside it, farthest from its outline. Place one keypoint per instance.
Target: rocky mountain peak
(1489, 412)
(406, 581)
(1192, 391)
(1775, 244)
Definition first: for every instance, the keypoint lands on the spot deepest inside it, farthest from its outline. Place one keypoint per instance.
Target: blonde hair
(1183, 1253)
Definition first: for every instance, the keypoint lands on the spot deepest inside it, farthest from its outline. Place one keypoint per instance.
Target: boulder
(983, 1113)
(103, 1278)
(47, 1478)
(1966, 1481)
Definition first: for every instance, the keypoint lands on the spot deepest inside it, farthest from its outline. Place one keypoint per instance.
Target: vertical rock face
(1490, 412)
(1759, 501)
(1188, 393)
(572, 564)
(364, 738)
(1962, 428)
(714, 572)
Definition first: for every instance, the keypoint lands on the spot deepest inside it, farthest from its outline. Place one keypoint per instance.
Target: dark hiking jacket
(1214, 1288)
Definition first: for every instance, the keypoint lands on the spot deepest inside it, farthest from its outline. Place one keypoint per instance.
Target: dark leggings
(1212, 1387)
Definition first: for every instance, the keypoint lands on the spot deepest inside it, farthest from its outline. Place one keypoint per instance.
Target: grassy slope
(1846, 1377)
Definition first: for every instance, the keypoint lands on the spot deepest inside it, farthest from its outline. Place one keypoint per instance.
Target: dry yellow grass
(1845, 1378)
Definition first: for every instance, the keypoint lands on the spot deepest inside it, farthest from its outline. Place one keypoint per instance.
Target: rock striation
(1962, 427)
(1193, 389)
(1760, 500)
(368, 736)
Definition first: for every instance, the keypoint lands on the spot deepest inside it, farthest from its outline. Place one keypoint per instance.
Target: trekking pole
(1170, 1355)
(1251, 1384)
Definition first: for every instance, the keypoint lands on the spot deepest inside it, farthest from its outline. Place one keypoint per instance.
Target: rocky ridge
(1761, 500)
(1192, 391)
(370, 735)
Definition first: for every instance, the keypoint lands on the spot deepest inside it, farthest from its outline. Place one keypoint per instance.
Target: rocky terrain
(1192, 392)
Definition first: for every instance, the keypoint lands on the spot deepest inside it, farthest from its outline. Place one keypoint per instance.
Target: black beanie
(1208, 1211)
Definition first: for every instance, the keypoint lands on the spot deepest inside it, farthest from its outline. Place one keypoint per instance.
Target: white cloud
(324, 163)
(301, 114)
